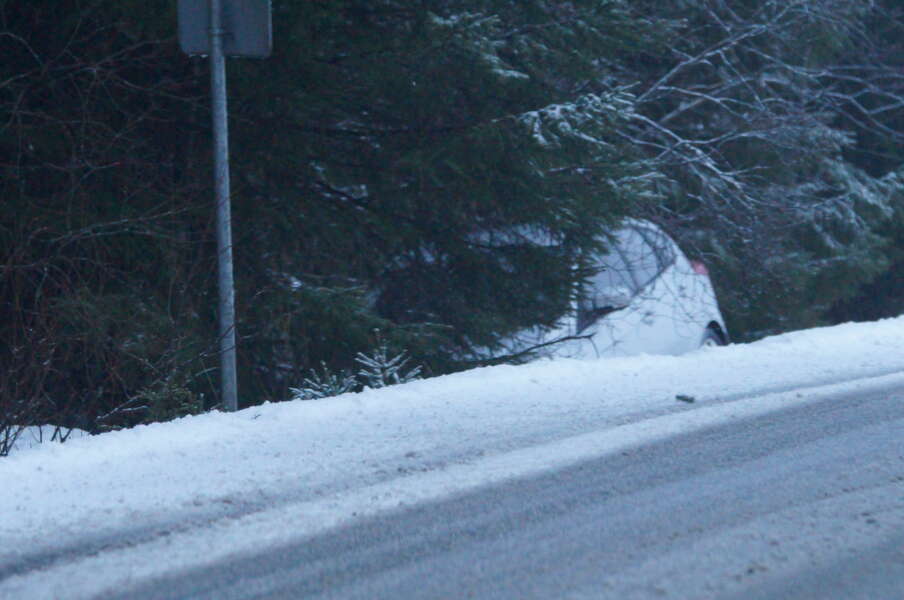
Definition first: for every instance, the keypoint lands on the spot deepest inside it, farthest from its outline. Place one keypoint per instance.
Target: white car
(646, 298)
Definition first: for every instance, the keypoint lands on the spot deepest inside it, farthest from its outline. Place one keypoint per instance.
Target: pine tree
(449, 159)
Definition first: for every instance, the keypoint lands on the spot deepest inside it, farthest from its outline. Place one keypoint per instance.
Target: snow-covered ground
(34, 437)
(203, 487)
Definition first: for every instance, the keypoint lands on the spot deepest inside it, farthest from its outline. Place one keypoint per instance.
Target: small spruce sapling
(324, 383)
(379, 369)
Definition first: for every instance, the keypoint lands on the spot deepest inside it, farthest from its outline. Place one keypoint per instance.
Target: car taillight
(699, 268)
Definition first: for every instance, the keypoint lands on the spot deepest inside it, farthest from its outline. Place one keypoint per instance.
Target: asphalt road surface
(803, 503)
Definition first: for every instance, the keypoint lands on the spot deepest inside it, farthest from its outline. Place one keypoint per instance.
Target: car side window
(636, 256)
(649, 253)
(614, 269)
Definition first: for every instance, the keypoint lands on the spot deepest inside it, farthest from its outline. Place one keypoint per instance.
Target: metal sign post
(239, 28)
(228, 379)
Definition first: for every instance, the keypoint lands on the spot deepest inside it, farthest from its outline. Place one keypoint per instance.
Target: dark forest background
(424, 174)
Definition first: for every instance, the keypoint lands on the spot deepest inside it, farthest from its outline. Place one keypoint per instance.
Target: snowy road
(804, 502)
(696, 454)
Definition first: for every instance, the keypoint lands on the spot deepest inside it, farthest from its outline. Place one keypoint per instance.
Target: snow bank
(146, 480)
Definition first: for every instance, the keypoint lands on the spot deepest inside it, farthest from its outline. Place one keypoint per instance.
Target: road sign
(246, 23)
